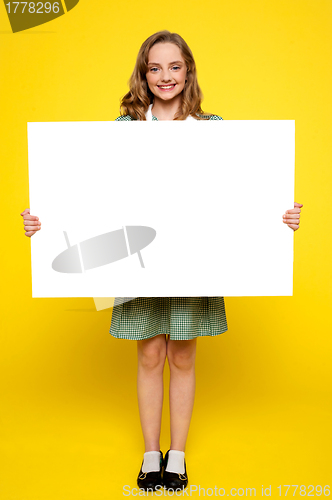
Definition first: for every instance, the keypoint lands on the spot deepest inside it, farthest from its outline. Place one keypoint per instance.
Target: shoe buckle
(182, 477)
(142, 476)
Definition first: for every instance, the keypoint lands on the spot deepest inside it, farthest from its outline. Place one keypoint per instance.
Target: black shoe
(173, 480)
(150, 480)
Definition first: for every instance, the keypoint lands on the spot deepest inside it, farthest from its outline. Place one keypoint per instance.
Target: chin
(168, 97)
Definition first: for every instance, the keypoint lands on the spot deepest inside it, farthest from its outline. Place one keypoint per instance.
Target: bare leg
(181, 358)
(151, 360)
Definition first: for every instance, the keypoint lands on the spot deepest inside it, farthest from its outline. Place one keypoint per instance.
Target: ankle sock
(175, 462)
(151, 461)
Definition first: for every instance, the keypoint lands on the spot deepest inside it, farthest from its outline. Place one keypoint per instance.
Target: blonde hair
(136, 102)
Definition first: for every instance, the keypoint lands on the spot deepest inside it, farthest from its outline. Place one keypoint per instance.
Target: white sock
(175, 461)
(151, 461)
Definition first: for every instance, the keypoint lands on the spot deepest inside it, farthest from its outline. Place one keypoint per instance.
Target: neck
(166, 110)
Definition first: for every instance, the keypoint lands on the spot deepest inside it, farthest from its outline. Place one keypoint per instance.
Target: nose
(165, 76)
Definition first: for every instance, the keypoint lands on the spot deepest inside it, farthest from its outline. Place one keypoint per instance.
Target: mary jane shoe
(150, 480)
(174, 480)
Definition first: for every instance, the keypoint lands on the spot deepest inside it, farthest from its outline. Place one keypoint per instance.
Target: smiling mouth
(166, 87)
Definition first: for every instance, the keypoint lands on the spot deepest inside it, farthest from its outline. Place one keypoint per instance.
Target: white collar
(149, 115)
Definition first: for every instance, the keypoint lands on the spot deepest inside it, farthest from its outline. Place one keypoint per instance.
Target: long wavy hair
(136, 102)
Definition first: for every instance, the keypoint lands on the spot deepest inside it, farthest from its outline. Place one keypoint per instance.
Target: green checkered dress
(182, 318)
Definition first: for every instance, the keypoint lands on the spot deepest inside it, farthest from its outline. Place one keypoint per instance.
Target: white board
(214, 192)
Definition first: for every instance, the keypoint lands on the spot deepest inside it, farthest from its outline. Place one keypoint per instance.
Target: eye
(153, 70)
(176, 67)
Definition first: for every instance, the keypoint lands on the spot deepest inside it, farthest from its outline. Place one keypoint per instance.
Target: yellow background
(69, 419)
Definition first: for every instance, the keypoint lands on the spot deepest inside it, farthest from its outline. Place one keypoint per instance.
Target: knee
(182, 359)
(152, 355)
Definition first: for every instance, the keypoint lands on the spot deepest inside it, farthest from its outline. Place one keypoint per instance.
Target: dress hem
(143, 337)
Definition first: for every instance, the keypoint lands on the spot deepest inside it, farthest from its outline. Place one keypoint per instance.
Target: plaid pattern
(128, 118)
(182, 318)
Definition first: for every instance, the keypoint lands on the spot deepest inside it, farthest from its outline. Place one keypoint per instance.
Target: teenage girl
(164, 86)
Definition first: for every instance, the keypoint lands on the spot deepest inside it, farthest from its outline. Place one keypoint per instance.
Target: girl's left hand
(292, 217)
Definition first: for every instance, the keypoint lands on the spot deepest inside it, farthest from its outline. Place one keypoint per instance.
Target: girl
(164, 86)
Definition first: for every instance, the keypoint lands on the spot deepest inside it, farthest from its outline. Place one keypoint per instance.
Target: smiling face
(166, 76)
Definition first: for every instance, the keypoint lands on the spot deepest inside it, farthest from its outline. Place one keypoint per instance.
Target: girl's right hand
(31, 223)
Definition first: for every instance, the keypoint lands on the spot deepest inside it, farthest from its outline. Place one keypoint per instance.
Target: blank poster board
(169, 208)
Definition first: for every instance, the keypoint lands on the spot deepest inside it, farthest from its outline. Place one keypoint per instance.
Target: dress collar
(150, 117)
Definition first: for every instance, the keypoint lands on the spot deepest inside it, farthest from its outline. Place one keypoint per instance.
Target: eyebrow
(174, 62)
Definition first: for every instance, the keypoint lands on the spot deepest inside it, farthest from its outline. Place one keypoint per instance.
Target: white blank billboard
(214, 193)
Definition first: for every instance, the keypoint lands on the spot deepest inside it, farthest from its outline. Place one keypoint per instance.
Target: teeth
(166, 86)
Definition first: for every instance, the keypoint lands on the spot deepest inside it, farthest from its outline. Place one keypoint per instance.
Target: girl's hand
(292, 217)
(31, 223)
